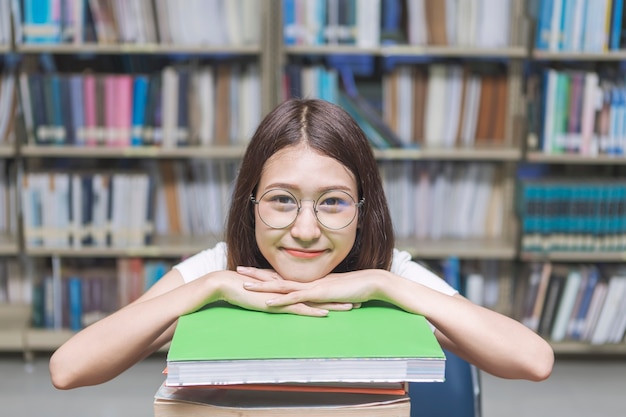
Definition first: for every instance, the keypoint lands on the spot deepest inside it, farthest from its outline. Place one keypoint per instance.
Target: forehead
(302, 169)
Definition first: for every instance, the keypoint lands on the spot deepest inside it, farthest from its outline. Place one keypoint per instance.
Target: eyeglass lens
(334, 209)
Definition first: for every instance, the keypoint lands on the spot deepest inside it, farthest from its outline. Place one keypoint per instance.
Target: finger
(280, 287)
(284, 300)
(333, 306)
(302, 309)
(260, 274)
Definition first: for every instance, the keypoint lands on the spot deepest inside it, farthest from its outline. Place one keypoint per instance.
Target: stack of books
(228, 361)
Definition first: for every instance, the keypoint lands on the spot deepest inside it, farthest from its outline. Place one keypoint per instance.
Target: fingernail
(249, 285)
(270, 302)
(241, 269)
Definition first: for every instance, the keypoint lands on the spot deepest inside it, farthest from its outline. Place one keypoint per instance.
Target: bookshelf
(567, 141)
(91, 53)
(271, 54)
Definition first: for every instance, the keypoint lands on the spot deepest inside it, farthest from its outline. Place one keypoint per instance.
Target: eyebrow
(296, 188)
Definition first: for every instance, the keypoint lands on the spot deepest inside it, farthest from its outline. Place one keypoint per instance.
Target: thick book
(224, 344)
(201, 401)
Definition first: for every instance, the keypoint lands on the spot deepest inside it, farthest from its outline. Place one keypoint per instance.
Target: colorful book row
(579, 25)
(177, 106)
(77, 298)
(474, 23)
(65, 210)
(138, 22)
(585, 303)
(436, 200)
(573, 215)
(578, 112)
(445, 106)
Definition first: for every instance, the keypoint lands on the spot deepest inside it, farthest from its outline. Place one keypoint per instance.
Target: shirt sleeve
(202, 263)
(404, 266)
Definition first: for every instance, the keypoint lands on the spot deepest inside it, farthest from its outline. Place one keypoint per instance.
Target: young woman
(308, 231)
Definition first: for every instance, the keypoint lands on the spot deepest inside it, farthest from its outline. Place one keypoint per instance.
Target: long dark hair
(329, 130)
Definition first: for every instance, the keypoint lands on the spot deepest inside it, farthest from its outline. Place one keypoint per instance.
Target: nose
(306, 227)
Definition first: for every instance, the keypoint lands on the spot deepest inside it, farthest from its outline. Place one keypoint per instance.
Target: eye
(280, 201)
(335, 202)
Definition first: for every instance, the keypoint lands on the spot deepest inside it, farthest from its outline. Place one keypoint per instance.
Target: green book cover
(376, 330)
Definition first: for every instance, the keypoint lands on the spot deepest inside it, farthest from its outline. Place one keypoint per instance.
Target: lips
(297, 253)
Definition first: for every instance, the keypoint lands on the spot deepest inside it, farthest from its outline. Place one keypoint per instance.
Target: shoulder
(402, 264)
(202, 263)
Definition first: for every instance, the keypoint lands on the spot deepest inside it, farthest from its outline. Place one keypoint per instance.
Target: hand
(338, 290)
(231, 290)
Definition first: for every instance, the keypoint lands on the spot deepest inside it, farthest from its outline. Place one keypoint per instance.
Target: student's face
(305, 250)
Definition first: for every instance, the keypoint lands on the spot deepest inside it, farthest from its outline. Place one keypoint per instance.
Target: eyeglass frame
(358, 206)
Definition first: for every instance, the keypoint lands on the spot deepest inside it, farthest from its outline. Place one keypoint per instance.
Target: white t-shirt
(214, 259)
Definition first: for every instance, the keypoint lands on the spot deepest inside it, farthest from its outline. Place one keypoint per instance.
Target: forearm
(105, 349)
(493, 342)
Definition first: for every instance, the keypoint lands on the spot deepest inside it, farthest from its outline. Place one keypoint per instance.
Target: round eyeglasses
(334, 209)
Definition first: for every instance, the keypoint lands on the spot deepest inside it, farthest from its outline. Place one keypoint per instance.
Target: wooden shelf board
(579, 348)
(164, 246)
(467, 249)
(8, 245)
(7, 150)
(408, 50)
(217, 152)
(619, 55)
(576, 159)
(95, 48)
(14, 320)
(461, 154)
(573, 256)
(45, 339)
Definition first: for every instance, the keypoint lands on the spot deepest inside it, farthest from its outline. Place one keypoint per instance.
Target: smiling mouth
(304, 254)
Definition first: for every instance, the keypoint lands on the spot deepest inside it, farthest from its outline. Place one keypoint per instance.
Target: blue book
(616, 24)
(289, 22)
(329, 85)
(41, 21)
(544, 19)
(78, 109)
(566, 43)
(55, 111)
(578, 322)
(391, 29)
(452, 272)
(140, 98)
(75, 293)
(530, 211)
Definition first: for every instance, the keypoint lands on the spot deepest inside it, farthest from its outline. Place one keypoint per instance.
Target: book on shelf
(220, 402)
(136, 22)
(583, 303)
(374, 343)
(151, 109)
(578, 25)
(609, 327)
(371, 121)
